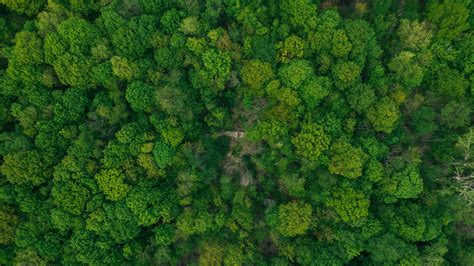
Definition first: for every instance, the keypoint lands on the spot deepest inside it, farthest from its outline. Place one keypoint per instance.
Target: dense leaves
(223, 132)
(294, 218)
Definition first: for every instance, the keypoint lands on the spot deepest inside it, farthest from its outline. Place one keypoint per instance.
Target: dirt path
(234, 164)
(232, 134)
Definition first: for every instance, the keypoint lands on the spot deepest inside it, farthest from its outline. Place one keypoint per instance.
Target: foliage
(111, 183)
(294, 218)
(8, 222)
(352, 206)
(406, 69)
(311, 141)
(456, 114)
(383, 115)
(451, 18)
(414, 35)
(314, 90)
(24, 167)
(346, 160)
(140, 96)
(223, 132)
(24, 6)
(295, 73)
(345, 74)
(255, 73)
(403, 185)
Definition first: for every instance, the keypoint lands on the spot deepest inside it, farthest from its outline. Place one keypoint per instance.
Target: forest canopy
(236, 132)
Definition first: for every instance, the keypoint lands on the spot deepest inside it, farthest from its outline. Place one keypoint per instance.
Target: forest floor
(240, 146)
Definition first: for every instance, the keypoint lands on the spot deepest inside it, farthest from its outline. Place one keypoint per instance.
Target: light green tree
(111, 182)
(383, 115)
(346, 160)
(294, 218)
(311, 141)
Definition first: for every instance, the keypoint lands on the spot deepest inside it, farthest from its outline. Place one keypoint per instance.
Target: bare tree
(464, 173)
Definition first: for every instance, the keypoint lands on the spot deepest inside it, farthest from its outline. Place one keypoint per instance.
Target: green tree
(26, 58)
(300, 14)
(295, 73)
(140, 96)
(406, 69)
(28, 7)
(292, 47)
(449, 83)
(68, 50)
(345, 74)
(414, 35)
(321, 39)
(242, 211)
(404, 184)
(70, 195)
(351, 205)
(217, 66)
(455, 114)
(341, 45)
(162, 153)
(190, 223)
(361, 97)
(346, 160)
(423, 120)
(164, 234)
(190, 26)
(71, 107)
(25, 167)
(150, 205)
(114, 220)
(293, 185)
(133, 38)
(170, 20)
(451, 17)
(111, 182)
(211, 254)
(28, 48)
(92, 249)
(383, 115)
(388, 247)
(314, 90)
(294, 218)
(255, 74)
(311, 141)
(8, 222)
(123, 68)
(166, 58)
(28, 257)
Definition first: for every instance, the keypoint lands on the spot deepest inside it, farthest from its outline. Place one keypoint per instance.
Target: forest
(237, 132)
